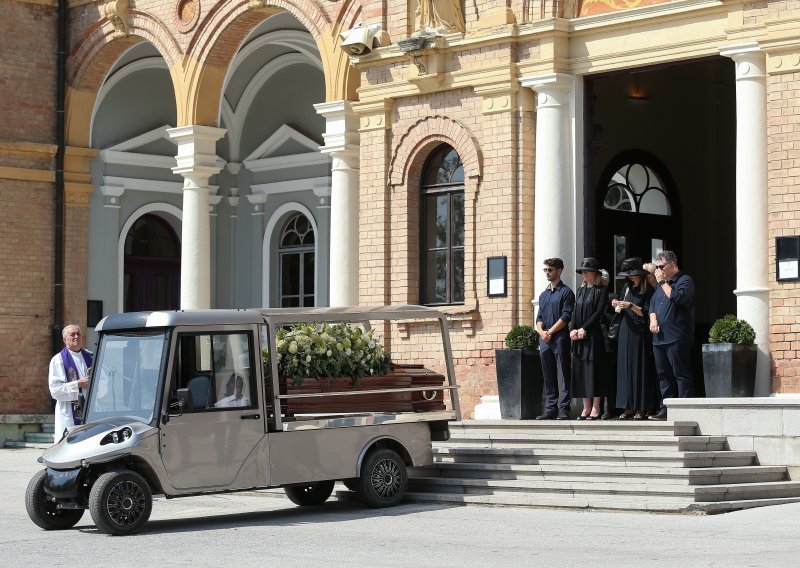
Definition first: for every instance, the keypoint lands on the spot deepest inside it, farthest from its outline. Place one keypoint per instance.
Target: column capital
(750, 59)
(552, 89)
(197, 152)
(341, 128)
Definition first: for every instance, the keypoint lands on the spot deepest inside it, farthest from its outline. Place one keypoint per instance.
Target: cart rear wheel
(384, 479)
(43, 509)
(120, 502)
(309, 493)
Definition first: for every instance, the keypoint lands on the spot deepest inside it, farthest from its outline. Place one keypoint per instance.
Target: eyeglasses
(548, 270)
(661, 266)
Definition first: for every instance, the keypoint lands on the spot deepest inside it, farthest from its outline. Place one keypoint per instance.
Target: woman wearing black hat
(636, 379)
(588, 344)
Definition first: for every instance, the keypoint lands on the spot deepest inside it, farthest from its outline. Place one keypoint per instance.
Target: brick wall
(784, 220)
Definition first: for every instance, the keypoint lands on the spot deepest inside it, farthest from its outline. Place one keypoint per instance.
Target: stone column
(341, 142)
(554, 207)
(197, 162)
(752, 231)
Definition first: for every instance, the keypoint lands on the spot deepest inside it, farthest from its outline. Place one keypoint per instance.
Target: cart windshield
(126, 376)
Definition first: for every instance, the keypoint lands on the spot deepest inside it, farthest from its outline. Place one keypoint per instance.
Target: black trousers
(674, 370)
(556, 357)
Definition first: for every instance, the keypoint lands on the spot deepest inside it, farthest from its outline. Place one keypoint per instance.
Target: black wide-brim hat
(632, 267)
(589, 264)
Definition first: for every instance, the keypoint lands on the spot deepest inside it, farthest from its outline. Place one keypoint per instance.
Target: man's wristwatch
(662, 282)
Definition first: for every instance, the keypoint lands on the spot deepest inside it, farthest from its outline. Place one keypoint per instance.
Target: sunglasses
(548, 270)
(661, 266)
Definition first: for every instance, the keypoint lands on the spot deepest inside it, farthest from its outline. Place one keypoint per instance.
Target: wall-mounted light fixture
(636, 90)
(787, 258)
(496, 276)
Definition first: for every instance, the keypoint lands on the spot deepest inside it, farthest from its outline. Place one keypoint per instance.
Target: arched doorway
(152, 266)
(637, 211)
(297, 263)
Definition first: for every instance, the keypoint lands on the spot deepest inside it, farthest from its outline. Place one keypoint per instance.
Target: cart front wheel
(43, 509)
(120, 502)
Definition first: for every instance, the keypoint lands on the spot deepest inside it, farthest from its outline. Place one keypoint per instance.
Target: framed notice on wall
(787, 258)
(496, 276)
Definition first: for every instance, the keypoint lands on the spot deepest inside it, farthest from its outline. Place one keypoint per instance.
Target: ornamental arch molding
(93, 57)
(405, 170)
(422, 137)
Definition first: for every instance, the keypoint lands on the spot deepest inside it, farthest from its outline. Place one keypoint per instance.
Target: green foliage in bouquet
(522, 337)
(327, 350)
(728, 329)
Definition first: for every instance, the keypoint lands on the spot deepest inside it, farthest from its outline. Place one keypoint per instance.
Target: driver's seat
(200, 389)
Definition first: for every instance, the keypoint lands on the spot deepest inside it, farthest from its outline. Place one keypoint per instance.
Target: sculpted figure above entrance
(439, 16)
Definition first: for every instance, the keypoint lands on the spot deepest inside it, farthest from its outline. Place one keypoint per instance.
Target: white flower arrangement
(327, 350)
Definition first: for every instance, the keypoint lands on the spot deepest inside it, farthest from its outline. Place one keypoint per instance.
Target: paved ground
(265, 530)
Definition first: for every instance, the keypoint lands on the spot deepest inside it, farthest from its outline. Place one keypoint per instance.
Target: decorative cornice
(77, 194)
(26, 174)
(27, 148)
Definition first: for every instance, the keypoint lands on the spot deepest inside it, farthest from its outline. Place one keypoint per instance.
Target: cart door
(217, 439)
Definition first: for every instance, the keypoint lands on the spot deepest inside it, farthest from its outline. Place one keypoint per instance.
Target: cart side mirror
(80, 406)
(180, 402)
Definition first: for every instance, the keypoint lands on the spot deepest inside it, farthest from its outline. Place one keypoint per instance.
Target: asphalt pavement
(265, 529)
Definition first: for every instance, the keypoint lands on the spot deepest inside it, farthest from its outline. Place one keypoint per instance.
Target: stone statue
(440, 16)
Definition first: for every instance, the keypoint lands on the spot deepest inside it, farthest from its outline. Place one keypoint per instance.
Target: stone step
(17, 445)
(48, 427)
(668, 492)
(605, 473)
(596, 502)
(576, 427)
(569, 456)
(39, 437)
(639, 442)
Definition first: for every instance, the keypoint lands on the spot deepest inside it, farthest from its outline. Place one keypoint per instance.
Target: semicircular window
(636, 188)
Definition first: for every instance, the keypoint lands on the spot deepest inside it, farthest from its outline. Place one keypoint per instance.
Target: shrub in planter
(729, 359)
(728, 329)
(519, 374)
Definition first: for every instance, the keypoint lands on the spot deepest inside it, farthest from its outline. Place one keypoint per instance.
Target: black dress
(589, 377)
(637, 383)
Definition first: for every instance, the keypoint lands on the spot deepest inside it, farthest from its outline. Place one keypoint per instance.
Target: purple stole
(72, 372)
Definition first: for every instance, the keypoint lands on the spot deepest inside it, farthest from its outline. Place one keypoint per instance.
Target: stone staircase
(42, 440)
(625, 465)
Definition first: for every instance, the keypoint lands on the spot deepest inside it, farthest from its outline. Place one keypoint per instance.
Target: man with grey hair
(69, 374)
(672, 324)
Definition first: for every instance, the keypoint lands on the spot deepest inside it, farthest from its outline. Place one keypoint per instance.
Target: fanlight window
(636, 188)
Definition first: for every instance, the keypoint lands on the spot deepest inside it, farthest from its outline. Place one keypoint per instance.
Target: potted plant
(519, 374)
(729, 359)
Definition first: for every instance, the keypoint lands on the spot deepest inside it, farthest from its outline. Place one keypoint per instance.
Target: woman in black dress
(636, 378)
(588, 343)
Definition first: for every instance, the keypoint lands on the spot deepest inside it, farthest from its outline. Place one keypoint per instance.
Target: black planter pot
(519, 383)
(729, 370)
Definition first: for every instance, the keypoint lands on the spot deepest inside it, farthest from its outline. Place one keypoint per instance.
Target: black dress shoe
(660, 415)
(562, 417)
(547, 416)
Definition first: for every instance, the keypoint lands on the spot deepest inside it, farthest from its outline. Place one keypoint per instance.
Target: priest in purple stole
(68, 377)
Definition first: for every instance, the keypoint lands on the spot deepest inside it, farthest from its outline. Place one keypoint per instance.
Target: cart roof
(137, 320)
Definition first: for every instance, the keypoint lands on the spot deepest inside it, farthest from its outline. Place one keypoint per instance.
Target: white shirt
(231, 401)
(65, 392)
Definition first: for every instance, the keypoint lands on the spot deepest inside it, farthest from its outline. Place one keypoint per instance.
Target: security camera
(359, 40)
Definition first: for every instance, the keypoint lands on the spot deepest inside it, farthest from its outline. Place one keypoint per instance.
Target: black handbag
(613, 326)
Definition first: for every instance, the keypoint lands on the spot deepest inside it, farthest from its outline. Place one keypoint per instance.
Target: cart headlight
(117, 436)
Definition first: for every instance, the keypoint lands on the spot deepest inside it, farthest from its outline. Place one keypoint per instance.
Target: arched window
(296, 254)
(442, 190)
(637, 188)
(152, 269)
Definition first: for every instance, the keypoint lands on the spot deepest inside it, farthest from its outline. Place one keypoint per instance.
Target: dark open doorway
(660, 173)
(152, 266)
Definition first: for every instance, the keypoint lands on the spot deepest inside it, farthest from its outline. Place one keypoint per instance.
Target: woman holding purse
(637, 387)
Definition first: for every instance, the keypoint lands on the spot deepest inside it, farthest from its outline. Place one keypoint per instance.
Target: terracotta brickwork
(784, 220)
